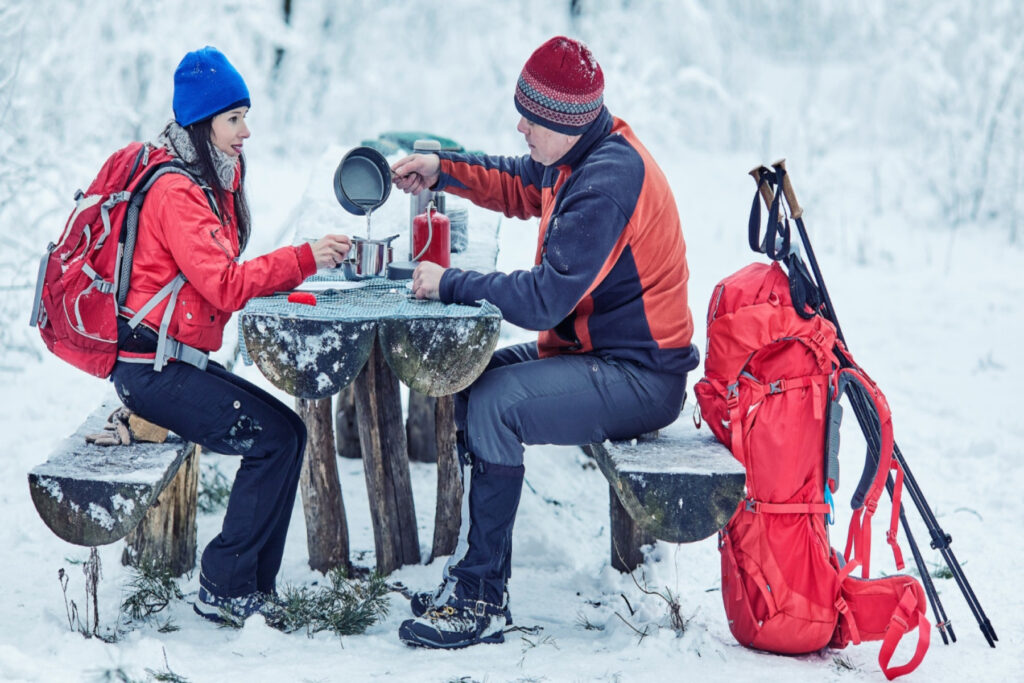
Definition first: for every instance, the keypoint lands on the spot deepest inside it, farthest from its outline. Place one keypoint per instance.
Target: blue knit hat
(205, 84)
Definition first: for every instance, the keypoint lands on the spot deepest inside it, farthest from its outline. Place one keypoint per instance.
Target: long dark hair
(200, 133)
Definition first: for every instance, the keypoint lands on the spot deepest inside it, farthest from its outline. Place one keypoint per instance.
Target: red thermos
(432, 237)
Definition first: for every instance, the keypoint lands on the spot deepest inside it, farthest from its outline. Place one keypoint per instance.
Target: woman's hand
(416, 172)
(426, 280)
(330, 250)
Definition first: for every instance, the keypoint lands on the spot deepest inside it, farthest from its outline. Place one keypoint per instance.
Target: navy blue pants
(226, 414)
(523, 399)
(566, 400)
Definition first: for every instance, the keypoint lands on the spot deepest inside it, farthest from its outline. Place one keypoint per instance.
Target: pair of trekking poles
(772, 185)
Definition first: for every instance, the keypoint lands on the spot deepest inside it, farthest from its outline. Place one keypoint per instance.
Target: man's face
(546, 146)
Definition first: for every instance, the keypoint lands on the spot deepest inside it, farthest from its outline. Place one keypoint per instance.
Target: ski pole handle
(795, 209)
(763, 188)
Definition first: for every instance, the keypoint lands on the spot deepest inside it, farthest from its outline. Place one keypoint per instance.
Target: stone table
(372, 333)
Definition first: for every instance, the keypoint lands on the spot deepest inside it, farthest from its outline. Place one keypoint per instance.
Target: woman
(196, 227)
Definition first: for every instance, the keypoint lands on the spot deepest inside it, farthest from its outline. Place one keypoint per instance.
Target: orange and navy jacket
(610, 273)
(179, 233)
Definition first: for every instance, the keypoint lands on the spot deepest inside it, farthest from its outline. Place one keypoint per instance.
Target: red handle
(307, 298)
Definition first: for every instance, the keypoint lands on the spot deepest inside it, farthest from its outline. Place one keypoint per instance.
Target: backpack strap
(876, 468)
(908, 616)
(776, 242)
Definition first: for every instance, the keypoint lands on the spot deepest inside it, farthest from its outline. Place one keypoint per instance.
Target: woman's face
(229, 131)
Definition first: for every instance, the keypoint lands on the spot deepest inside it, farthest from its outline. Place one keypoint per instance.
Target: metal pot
(362, 181)
(367, 257)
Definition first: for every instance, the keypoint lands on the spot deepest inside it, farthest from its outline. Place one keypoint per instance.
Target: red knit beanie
(561, 87)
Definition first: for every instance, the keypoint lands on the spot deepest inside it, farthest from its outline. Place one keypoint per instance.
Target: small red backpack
(84, 276)
(771, 390)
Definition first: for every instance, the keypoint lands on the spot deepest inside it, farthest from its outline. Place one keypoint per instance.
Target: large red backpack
(771, 390)
(84, 276)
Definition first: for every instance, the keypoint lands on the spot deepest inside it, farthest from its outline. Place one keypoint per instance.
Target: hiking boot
(228, 611)
(420, 602)
(457, 623)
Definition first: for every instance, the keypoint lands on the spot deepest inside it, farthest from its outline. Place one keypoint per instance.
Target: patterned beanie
(561, 87)
(205, 84)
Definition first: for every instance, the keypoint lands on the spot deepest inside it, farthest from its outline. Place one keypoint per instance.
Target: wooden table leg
(322, 502)
(386, 464)
(345, 428)
(448, 513)
(419, 427)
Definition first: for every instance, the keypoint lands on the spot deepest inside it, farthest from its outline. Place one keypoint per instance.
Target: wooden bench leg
(448, 513)
(322, 502)
(627, 537)
(166, 537)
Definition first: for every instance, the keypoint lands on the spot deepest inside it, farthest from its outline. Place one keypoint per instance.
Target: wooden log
(94, 495)
(346, 428)
(681, 487)
(419, 427)
(448, 512)
(627, 538)
(322, 502)
(386, 465)
(166, 537)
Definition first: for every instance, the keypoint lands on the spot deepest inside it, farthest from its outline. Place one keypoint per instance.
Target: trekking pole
(940, 539)
(765, 179)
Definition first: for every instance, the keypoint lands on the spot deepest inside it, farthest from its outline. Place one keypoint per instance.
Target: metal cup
(367, 257)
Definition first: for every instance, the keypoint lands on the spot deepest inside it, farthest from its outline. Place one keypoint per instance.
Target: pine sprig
(344, 607)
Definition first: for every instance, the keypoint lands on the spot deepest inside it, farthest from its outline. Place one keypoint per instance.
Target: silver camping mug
(367, 257)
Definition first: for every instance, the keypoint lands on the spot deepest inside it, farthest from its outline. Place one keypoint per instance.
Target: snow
(887, 117)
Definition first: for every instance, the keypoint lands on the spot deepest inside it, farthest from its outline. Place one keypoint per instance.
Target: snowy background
(902, 126)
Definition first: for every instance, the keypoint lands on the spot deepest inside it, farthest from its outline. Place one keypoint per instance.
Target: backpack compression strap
(909, 615)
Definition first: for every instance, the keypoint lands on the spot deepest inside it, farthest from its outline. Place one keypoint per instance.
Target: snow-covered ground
(939, 334)
(933, 311)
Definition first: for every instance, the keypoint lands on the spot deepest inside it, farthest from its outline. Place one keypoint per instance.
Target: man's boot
(474, 611)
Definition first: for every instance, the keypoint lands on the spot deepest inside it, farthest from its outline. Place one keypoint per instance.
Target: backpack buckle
(775, 387)
(479, 608)
(732, 391)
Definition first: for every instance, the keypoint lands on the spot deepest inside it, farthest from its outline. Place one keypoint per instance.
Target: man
(607, 293)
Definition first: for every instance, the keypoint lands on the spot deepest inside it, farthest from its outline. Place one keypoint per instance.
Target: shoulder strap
(129, 233)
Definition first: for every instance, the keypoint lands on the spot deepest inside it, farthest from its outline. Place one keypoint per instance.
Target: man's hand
(330, 250)
(426, 280)
(416, 172)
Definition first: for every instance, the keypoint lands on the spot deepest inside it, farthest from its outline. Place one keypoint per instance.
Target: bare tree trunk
(447, 515)
(166, 536)
(627, 537)
(322, 502)
(386, 464)
(345, 425)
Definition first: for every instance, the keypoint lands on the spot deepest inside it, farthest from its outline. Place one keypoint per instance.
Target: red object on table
(432, 237)
(307, 298)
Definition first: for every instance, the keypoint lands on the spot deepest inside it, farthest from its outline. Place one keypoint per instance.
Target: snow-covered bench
(678, 484)
(93, 495)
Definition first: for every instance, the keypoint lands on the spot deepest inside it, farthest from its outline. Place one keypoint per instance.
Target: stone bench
(93, 495)
(678, 485)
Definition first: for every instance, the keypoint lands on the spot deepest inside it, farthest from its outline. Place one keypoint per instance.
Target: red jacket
(610, 274)
(179, 233)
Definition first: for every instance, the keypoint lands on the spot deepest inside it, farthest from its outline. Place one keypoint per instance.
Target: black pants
(226, 414)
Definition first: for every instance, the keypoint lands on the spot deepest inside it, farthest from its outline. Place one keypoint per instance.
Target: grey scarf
(176, 140)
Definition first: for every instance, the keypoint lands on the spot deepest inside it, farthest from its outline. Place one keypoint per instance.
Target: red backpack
(771, 390)
(83, 278)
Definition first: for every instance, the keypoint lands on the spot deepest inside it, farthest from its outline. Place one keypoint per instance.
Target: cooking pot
(367, 257)
(362, 181)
